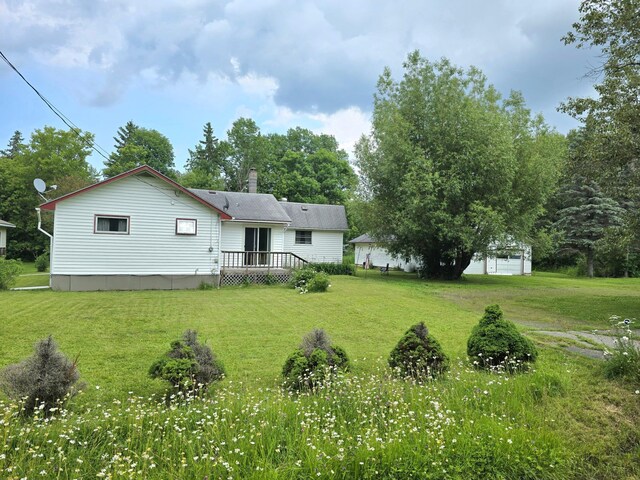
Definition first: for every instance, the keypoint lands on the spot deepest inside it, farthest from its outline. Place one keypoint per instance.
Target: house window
(186, 226)
(111, 224)
(303, 237)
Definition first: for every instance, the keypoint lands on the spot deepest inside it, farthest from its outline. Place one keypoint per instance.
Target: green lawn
(117, 335)
(30, 277)
(564, 413)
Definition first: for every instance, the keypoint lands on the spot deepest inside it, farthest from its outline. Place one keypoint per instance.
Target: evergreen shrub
(315, 360)
(46, 380)
(419, 355)
(190, 366)
(496, 343)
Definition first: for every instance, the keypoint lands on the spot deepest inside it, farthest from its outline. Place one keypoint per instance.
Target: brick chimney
(253, 180)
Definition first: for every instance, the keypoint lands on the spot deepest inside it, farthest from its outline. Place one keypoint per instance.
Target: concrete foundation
(88, 283)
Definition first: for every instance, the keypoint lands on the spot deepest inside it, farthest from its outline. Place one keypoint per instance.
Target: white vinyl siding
(326, 246)
(151, 247)
(233, 235)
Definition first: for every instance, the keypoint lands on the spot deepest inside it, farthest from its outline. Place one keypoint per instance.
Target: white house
(3, 236)
(142, 230)
(513, 259)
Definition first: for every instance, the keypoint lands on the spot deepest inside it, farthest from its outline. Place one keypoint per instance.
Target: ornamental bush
(334, 268)
(313, 362)
(308, 280)
(45, 380)
(496, 343)
(190, 366)
(42, 262)
(418, 355)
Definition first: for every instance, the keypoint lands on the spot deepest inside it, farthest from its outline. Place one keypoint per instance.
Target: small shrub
(334, 268)
(45, 380)
(496, 343)
(9, 271)
(418, 355)
(624, 359)
(190, 366)
(270, 279)
(42, 262)
(308, 280)
(313, 362)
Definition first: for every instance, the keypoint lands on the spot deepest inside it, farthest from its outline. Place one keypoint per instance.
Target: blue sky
(175, 65)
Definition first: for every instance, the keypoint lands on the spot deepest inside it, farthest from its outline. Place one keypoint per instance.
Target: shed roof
(364, 238)
(6, 224)
(248, 207)
(316, 217)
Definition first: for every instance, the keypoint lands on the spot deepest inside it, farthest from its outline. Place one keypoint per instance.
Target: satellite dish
(39, 184)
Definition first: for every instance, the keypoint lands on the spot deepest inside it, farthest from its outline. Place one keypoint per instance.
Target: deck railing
(261, 260)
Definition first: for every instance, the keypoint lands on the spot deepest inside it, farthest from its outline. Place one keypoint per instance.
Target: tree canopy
(449, 167)
(58, 157)
(135, 146)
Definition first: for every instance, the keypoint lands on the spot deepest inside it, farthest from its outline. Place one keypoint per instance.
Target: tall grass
(472, 425)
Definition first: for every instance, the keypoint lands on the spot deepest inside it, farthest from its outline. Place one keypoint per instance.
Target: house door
(257, 240)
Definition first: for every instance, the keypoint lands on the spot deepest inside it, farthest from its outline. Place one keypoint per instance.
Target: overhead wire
(72, 126)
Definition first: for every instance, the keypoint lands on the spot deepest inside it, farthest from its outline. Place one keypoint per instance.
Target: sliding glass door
(256, 241)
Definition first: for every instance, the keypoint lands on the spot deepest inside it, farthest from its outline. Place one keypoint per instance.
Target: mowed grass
(561, 420)
(117, 335)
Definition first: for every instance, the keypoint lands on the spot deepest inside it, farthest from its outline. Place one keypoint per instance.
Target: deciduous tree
(448, 168)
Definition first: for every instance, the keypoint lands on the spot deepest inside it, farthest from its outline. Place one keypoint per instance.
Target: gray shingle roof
(364, 238)
(316, 217)
(258, 207)
(6, 224)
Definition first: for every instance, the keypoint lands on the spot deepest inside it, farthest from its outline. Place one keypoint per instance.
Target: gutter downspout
(40, 225)
(50, 244)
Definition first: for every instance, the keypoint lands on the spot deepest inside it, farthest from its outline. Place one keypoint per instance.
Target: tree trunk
(590, 263)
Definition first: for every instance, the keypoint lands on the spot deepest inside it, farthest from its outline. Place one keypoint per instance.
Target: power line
(72, 126)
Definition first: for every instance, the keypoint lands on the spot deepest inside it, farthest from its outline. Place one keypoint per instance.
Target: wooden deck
(238, 268)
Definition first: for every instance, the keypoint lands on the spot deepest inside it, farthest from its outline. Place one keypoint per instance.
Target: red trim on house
(51, 204)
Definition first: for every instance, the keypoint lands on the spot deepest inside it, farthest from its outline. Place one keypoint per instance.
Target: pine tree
(585, 217)
(15, 146)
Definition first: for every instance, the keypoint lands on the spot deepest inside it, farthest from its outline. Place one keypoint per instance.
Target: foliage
(206, 162)
(586, 216)
(448, 168)
(314, 362)
(309, 168)
(418, 355)
(56, 156)
(270, 279)
(42, 262)
(137, 146)
(606, 149)
(190, 366)
(496, 343)
(9, 271)
(624, 360)
(245, 148)
(334, 268)
(43, 381)
(307, 279)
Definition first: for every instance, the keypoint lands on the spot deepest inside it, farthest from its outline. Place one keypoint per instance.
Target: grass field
(583, 424)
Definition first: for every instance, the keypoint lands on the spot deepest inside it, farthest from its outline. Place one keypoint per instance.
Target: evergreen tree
(206, 162)
(586, 216)
(15, 146)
